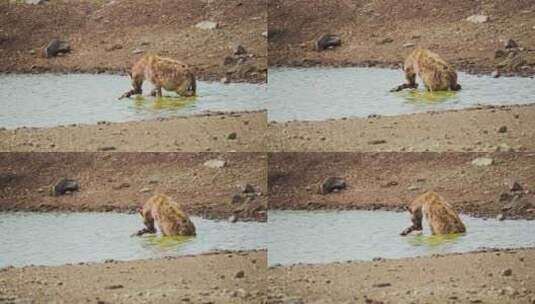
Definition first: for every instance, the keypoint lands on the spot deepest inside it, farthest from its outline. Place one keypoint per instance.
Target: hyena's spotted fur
(435, 72)
(166, 73)
(168, 215)
(438, 213)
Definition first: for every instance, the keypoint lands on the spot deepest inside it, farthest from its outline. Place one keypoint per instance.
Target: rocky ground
(225, 277)
(124, 181)
(483, 277)
(200, 133)
(483, 129)
(109, 35)
(384, 32)
(391, 180)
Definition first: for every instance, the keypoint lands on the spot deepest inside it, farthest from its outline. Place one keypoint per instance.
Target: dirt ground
(391, 180)
(475, 278)
(124, 181)
(208, 278)
(475, 129)
(384, 32)
(106, 35)
(199, 133)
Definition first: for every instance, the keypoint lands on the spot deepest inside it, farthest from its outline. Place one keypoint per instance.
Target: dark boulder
(331, 184)
(56, 46)
(65, 185)
(327, 41)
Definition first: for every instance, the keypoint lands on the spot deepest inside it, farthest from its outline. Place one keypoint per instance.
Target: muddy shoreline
(429, 279)
(473, 129)
(121, 182)
(390, 180)
(205, 278)
(207, 132)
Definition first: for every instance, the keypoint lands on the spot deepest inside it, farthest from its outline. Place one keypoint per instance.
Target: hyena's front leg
(157, 92)
(410, 76)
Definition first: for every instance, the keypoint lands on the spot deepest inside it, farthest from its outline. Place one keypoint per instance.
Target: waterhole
(323, 93)
(60, 238)
(330, 236)
(48, 100)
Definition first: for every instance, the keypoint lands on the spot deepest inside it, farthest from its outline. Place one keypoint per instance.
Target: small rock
(215, 163)
(331, 184)
(327, 41)
(500, 217)
(233, 218)
(385, 41)
(232, 136)
(225, 80)
(145, 190)
(111, 287)
(513, 185)
(503, 147)
(207, 25)
(246, 188)
(377, 142)
(495, 74)
(478, 19)
(239, 50)
(507, 272)
(482, 161)
(510, 44)
(113, 47)
(409, 45)
(106, 148)
(502, 129)
(236, 199)
(65, 185)
(121, 186)
(35, 1)
(240, 274)
(137, 51)
(413, 188)
(382, 285)
(265, 33)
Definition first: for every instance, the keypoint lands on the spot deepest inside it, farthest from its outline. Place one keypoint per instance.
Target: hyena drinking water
(167, 213)
(163, 72)
(438, 213)
(435, 72)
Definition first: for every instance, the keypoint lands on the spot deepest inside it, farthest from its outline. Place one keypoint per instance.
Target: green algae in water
(166, 242)
(427, 97)
(434, 240)
(162, 103)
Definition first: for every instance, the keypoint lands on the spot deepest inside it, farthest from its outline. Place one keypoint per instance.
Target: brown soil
(165, 27)
(465, 278)
(437, 25)
(123, 181)
(200, 133)
(458, 130)
(208, 278)
(391, 180)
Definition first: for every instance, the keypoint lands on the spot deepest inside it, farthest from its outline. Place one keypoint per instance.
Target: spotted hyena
(435, 72)
(438, 213)
(167, 213)
(163, 72)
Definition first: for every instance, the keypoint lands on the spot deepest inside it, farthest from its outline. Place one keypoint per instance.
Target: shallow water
(323, 93)
(47, 100)
(60, 238)
(330, 236)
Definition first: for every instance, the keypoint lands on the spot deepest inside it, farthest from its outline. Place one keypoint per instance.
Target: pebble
(507, 272)
(502, 129)
(145, 190)
(107, 148)
(240, 274)
(215, 163)
(482, 161)
(232, 136)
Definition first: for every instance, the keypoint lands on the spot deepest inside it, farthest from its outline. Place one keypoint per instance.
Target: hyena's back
(440, 215)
